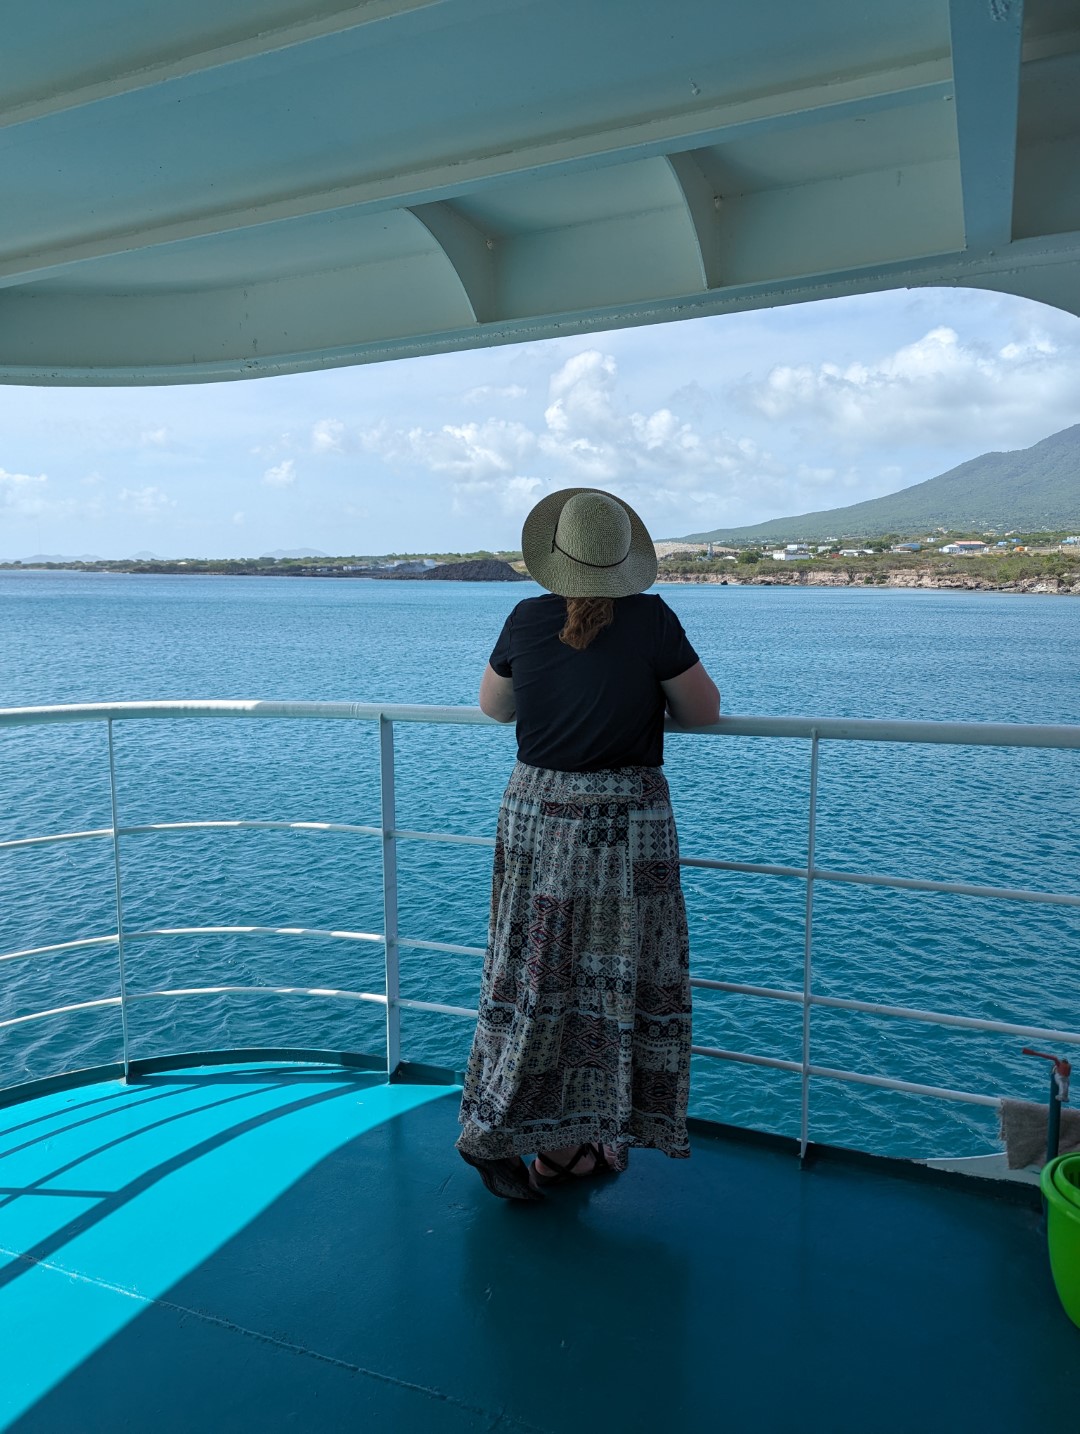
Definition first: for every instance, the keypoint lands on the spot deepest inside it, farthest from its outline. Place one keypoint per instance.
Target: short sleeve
(674, 652)
(500, 656)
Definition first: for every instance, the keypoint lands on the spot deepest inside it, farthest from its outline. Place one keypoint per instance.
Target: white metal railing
(813, 730)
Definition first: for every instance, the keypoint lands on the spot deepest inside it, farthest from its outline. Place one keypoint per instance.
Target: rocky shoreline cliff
(1069, 585)
(476, 570)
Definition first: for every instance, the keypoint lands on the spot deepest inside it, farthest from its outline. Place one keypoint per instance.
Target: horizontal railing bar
(910, 1013)
(873, 729)
(444, 837)
(772, 1062)
(899, 883)
(372, 996)
(939, 1092)
(59, 946)
(938, 1018)
(60, 836)
(753, 868)
(199, 991)
(772, 993)
(243, 931)
(856, 1077)
(438, 1007)
(252, 825)
(838, 729)
(259, 709)
(243, 824)
(251, 931)
(59, 1011)
(875, 1008)
(974, 1023)
(954, 888)
(443, 946)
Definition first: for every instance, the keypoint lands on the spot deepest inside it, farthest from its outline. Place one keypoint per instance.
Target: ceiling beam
(987, 38)
(471, 254)
(703, 209)
(333, 19)
(684, 129)
(1016, 271)
(1052, 44)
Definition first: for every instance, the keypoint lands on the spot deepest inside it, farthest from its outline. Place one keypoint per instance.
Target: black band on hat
(555, 548)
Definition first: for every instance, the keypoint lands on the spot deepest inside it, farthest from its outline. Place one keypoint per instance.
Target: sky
(703, 424)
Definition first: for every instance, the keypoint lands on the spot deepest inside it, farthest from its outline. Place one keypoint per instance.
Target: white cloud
(582, 396)
(936, 389)
(27, 495)
(587, 435)
(1036, 343)
(21, 492)
(148, 502)
(12, 481)
(238, 519)
(327, 436)
(465, 450)
(487, 393)
(154, 437)
(512, 497)
(657, 457)
(281, 475)
(273, 446)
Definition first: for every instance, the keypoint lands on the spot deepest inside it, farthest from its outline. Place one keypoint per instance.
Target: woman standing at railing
(582, 1047)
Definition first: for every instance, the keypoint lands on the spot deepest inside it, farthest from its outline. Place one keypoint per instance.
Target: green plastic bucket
(1066, 1178)
(1063, 1230)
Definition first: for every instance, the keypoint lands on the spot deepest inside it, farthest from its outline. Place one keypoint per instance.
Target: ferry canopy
(227, 188)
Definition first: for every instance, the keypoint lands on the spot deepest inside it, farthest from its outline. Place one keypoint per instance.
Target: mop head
(1023, 1132)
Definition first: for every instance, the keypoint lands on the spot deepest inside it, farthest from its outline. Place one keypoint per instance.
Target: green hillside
(1028, 490)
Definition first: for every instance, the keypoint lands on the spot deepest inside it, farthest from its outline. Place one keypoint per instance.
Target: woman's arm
(497, 695)
(692, 697)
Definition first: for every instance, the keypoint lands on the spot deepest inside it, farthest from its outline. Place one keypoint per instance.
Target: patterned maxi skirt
(584, 1024)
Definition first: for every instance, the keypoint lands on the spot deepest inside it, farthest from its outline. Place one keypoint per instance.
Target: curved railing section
(813, 731)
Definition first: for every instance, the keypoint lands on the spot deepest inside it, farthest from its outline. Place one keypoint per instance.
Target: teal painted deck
(291, 1247)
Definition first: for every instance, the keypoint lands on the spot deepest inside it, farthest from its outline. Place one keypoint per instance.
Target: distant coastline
(453, 569)
(1049, 585)
(1038, 573)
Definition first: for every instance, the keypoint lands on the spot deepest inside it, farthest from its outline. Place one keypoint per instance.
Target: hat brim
(560, 574)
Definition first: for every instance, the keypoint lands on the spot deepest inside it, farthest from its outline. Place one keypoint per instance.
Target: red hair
(585, 617)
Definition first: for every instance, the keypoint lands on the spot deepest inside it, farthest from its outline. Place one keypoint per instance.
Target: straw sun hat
(583, 542)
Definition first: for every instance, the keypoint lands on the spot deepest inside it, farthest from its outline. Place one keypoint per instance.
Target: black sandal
(507, 1178)
(601, 1165)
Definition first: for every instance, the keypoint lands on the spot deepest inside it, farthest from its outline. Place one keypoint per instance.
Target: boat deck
(274, 1246)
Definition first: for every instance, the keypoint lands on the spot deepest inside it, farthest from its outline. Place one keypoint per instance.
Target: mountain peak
(1023, 490)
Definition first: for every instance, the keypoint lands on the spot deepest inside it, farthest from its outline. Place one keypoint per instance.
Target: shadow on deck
(286, 1247)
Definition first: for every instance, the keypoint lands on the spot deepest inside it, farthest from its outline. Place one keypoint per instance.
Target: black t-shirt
(599, 708)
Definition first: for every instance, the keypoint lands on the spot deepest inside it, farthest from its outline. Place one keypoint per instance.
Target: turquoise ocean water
(990, 816)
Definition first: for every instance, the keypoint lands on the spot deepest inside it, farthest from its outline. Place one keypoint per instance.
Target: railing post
(390, 895)
(119, 902)
(808, 950)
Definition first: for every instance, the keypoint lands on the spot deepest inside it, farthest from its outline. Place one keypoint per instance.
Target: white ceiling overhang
(227, 188)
